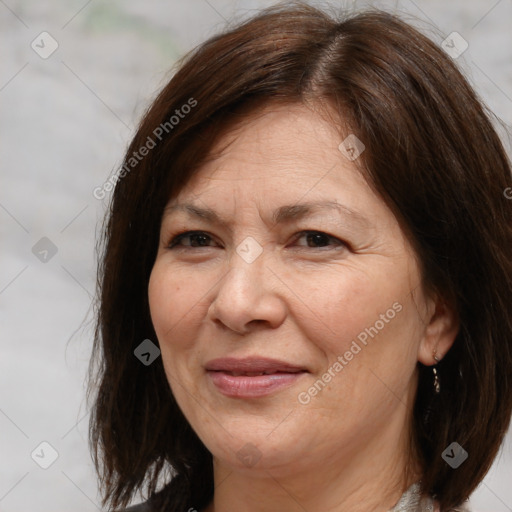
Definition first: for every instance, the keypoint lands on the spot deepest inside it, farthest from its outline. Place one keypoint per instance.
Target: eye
(319, 239)
(198, 239)
(191, 239)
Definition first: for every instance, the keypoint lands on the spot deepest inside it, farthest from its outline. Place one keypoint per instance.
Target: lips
(252, 377)
(258, 366)
(257, 374)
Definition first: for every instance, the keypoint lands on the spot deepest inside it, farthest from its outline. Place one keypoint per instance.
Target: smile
(252, 377)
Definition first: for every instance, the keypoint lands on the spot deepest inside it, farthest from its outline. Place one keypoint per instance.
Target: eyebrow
(281, 215)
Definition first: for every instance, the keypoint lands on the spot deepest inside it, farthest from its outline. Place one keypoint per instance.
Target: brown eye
(319, 239)
(191, 239)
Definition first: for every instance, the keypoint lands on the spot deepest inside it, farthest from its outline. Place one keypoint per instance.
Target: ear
(441, 328)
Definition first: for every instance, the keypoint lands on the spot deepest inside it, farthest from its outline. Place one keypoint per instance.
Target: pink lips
(251, 377)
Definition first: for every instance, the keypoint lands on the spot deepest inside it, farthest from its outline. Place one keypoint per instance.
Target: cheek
(370, 318)
(338, 306)
(175, 305)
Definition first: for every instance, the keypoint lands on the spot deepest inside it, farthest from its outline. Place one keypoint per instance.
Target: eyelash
(174, 242)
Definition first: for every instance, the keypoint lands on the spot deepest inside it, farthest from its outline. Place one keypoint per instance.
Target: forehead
(292, 148)
(275, 135)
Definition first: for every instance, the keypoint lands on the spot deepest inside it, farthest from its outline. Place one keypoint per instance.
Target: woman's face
(289, 311)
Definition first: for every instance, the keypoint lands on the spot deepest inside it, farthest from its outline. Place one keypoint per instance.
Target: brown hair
(432, 155)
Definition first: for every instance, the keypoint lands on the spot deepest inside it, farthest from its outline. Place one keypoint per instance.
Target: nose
(248, 297)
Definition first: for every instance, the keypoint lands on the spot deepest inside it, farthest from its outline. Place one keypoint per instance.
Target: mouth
(256, 374)
(252, 365)
(252, 377)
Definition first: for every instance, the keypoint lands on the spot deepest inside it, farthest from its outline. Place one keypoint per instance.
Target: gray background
(66, 121)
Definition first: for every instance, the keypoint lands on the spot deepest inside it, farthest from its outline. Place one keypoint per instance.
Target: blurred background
(76, 76)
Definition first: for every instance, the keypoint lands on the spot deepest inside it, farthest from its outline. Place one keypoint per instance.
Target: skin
(302, 300)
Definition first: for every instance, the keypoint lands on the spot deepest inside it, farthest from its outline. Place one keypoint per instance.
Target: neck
(370, 477)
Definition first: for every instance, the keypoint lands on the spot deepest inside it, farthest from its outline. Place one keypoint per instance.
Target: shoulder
(155, 502)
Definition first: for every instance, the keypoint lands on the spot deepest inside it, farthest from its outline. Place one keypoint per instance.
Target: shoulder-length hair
(431, 154)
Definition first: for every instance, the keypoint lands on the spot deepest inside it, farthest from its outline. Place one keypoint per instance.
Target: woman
(305, 290)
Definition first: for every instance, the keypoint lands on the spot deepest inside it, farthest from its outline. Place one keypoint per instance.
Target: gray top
(413, 501)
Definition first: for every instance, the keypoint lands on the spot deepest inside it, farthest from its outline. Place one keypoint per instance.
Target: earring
(437, 384)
